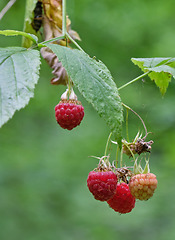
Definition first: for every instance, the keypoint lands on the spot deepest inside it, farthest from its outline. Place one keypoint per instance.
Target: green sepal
(146, 169)
(138, 168)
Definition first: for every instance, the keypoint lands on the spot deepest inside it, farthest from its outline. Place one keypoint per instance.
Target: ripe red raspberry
(142, 186)
(69, 113)
(122, 201)
(102, 184)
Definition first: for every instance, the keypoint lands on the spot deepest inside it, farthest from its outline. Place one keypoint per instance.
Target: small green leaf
(30, 36)
(19, 72)
(95, 83)
(29, 15)
(161, 70)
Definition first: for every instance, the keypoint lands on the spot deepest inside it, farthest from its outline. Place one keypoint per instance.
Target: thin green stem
(134, 80)
(64, 27)
(6, 8)
(121, 158)
(69, 86)
(106, 148)
(127, 107)
(65, 34)
(51, 40)
(74, 42)
(117, 155)
(126, 144)
(127, 129)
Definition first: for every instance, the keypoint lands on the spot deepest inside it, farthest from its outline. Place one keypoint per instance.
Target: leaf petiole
(134, 80)
(74, 42)
(50, 40)
(30, 36)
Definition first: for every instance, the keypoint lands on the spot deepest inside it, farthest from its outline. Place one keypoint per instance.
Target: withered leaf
(52, 27)
(59, 71)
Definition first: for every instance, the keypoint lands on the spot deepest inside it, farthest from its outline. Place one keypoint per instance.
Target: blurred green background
(43, 168)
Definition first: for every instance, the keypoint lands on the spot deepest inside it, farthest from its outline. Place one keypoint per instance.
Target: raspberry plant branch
(134, 80)
(74, 42)
(64, 29)
(127, 107)
(65, 34)
(41, 44)
(6, 8)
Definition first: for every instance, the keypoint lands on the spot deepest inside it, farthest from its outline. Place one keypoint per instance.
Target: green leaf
(29, 15)
(17, 33)
(161, 70)
(95, 83)
(19, 72)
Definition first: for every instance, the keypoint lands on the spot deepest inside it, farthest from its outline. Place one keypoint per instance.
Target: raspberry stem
(69, 86)
(117, 155)
(127, 131)
(64, 29)
(74, 42)
(121, 158)
(127, 107)
(125, 143)
(65, 34)
(107, 144)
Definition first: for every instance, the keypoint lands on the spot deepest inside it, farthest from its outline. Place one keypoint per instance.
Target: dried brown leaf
(52, 26)
(59, 71)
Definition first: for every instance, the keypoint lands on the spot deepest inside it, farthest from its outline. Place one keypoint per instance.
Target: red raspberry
(102, 184)
(69, 114)
(122, 201)
(142, 186)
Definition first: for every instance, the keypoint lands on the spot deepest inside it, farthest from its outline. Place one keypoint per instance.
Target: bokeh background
(43, 168)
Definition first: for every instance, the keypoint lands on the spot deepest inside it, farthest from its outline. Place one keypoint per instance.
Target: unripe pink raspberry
(102, 184)
(122, 201)
(69, 113)
(142, 186)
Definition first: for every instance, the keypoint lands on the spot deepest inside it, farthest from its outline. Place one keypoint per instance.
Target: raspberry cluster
(104, 187)
(69, 113)
(120, 188)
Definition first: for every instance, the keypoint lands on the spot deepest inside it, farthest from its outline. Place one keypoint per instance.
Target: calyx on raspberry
(69, 113)
(123, 174)
(122, 201)
(102, 182)
(143, 183)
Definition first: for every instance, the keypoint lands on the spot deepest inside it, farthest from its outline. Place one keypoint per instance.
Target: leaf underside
(19, 72)
(95, 83)
(161, 70)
